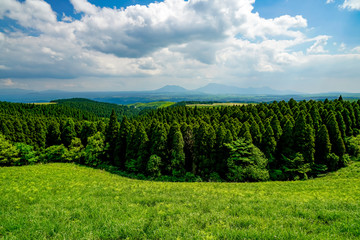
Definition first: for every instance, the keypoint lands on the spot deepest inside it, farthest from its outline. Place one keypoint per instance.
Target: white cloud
(190, 42)
(7, 82)
(351, 4)
(318, 46)
(31, 13)
(356, 49)
(342, 47)
(329, 1)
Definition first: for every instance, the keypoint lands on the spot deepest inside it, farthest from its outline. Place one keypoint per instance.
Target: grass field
(67, 201)
(159, 104)
(44, 103)
(216, 105)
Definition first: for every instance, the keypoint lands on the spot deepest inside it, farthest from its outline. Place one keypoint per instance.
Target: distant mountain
(215, 88)
(11, 91)
(171, 89)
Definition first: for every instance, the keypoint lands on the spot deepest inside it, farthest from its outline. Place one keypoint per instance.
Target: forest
(253, 142)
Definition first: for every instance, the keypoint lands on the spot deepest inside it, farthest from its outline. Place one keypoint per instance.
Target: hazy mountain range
(210, 92)
(218, 89)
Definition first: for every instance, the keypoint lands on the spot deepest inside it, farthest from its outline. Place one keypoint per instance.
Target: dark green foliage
(341, 124)
(55, 153)
(75, 151)
(153, 167)
(9, 154)
(286, 142)
(256, 133)
(111, 133)
(121, 143)
(138, 152)
(189, 140)
(100, 109)
(269, 142)
(177, 155)
(68, 133)
(299, 139)
(296, 168)
(39, 134)
(336, 139)
(304, 142)
(53, 136)
(94, 151)
(353, 146)
(27, 154)
(246, 162)
(348, 122)
(88, 129)
(275, 125)
(245, 132)
(322, 146)
(158, 141)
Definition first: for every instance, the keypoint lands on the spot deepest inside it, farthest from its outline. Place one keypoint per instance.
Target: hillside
(152, 105)
(215, 88)
(67, 201)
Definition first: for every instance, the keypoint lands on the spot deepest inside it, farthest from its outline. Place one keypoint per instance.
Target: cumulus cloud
(7, 82)
(31, 13)
(351, 4)
(356, 49)
(206, 40)
(318, 46)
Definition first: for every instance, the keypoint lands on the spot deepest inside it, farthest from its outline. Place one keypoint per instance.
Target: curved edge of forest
(267, 141)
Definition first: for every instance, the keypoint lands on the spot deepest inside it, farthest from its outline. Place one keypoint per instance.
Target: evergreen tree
(53, 134)
(348, 122)
(88, 129)
(111, 133)
(138, 151)
(177, 155)
(275, 125)
(159, 141)
(121, 143)
(39, 135)
(315, 115)
(341, 124)
(68, 133)
(286, 141)
(304, 141)
(246, 162)
(323, 146)
(189, 140)
(245, 132)
(338, 146)
(256, 134)
(94, 151)
(269, 142)
(18, 131)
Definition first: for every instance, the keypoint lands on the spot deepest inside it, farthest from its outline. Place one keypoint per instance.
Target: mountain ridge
(216, 88)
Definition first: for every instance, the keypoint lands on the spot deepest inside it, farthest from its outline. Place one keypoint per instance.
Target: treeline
(42, 126)
(278, 141)
(100, 109)
(289, 140)
(45, 110)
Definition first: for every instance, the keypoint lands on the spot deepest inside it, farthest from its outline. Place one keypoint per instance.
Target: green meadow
(68, 201)
(158, 104)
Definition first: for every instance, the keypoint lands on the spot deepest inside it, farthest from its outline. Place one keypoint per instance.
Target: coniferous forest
(254, 142)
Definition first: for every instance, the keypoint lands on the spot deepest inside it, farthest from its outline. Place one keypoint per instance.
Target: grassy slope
(159, 104)
(216, 104)
(66, 201)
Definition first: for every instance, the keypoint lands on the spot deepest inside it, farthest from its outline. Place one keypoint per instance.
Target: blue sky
(79, 45)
